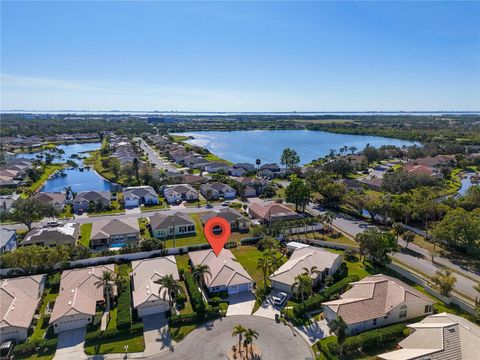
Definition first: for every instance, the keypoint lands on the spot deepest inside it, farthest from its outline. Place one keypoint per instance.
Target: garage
(233, 289)
(13, 333)
(71, 322)
(151, 308)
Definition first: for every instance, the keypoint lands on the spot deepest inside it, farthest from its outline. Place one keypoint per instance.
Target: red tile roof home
(435, 160)
(412, 168)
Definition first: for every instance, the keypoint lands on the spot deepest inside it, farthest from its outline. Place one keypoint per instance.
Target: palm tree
(352, 149)
(68, 191)
(199, 272)
(312, 271)
(169, 289)
(136, 167)
(239, 330)
(250, 334)
(328, 218)
(339, 327)
(303, 285)
(264, 264)
(258, 162)
(107, 280)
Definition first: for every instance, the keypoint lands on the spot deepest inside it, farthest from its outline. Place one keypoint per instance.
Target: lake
(78, 179)
(267, 145)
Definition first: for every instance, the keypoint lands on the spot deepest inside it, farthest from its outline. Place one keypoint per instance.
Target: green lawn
(178, 333)
(98, 346)
(85, 232)
(67, 212)
(212, 157)
(198, 238)
(144, 231)
(112, 323)
(161, 206)
(42, 326)
(179, 138)
(47, 171)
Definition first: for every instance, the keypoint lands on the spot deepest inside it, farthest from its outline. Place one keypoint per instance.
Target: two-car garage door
(150, 308)
(234, 289)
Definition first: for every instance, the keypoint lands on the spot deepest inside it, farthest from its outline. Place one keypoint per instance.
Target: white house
(307, 257)
(19, 300)
(179, 193)
(135, 195)
(376, 301)
(226, 272)
(148, 296)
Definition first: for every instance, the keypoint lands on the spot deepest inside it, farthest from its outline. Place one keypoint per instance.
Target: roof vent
(70, 303)
(13, 307)
(72, 291)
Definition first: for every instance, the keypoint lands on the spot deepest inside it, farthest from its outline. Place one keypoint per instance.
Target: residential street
(155, 159)
(416, 257)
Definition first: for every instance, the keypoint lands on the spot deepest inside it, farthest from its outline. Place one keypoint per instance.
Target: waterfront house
(376, 301)
(179, 193)
(305, 257)
(20, 298)
(8, 240)
(81, 291)
(240, 169)
(271, 212)
(56, 199)
(439, 337)
(66, 234)
(148, 296)
(193, 179)
(258, 184)
(86, 199)
(214, 167)
(235, 219)
(136, 195)
(114, 232)
(226, 273)
(217, 190)
(164, 226)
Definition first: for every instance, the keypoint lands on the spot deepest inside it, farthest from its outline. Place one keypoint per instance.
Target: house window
(428, 309)
(403, 312)
(374, 322)
(171, 231)
(386, 316)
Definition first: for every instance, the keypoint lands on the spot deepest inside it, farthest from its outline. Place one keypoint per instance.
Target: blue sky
(250, 56)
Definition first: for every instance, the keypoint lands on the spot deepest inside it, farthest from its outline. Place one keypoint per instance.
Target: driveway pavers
(70, 345)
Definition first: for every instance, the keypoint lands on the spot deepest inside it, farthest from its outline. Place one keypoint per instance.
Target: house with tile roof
(226, 272)
(56, 199)
(66, 234)
(441, 336)
(84, 199)
(217, 190)
(20, 298)
(164, 226)
(306, 257)
(80, 292)
(117, 231)
(376, 301)
(271, 212)
(149, 297)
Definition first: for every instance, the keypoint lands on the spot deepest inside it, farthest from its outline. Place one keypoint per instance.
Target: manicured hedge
(28, 348)
(369, 339)
(315, 302)
(124, 315)
(194, 318)
(195, 296)
(109, 334)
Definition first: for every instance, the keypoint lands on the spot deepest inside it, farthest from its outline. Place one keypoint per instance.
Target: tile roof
(19, 300)
(161, 221)
(272, 209)
(139, 191)
(373, 297)
(80, 289)
(439, 337)
(92, 196)
(225, 269)
(68, 232)
(228, 214)
(146, 272)
(304, 257)
(106, 228)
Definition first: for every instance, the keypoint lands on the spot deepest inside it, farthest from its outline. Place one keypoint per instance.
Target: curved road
(212, 341)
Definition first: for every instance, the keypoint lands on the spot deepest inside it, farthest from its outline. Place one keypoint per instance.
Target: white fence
(327, 244)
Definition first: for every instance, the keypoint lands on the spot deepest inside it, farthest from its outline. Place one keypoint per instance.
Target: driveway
(156, 334)
(268, 309)
(212, 340)
(315, 331)
(70, 345)
(241, 304)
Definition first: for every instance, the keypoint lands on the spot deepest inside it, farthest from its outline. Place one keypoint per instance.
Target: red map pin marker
(217, 240)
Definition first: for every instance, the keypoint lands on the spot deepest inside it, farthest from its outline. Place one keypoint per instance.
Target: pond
(466, 183)
(81, 179)
(267, 145)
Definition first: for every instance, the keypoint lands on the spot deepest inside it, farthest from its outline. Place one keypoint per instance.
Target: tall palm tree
(312, 271)
(250, 334)
(107, 281)
(258, 162)
(239, 330)
(328, 218)
(199, 272)
(264, 263)
(169, 290)
(303, 285)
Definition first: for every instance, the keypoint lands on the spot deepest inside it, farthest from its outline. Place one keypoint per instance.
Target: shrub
(195, 318)
(195, 296)
(124, 316)
(215, 301)
(29, 348)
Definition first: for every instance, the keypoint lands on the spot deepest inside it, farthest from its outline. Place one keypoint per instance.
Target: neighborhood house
(271, 212)
(217, 190)
(137, 195)
(66, 234)
(148, 296)
(179, 193)
(235, 219)
(164, 226)
(86, 199)
(8, 240)
(114, 232)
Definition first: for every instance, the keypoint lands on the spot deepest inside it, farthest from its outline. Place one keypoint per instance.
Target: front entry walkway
(241, 303)
(70, 345)
(156, 334)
